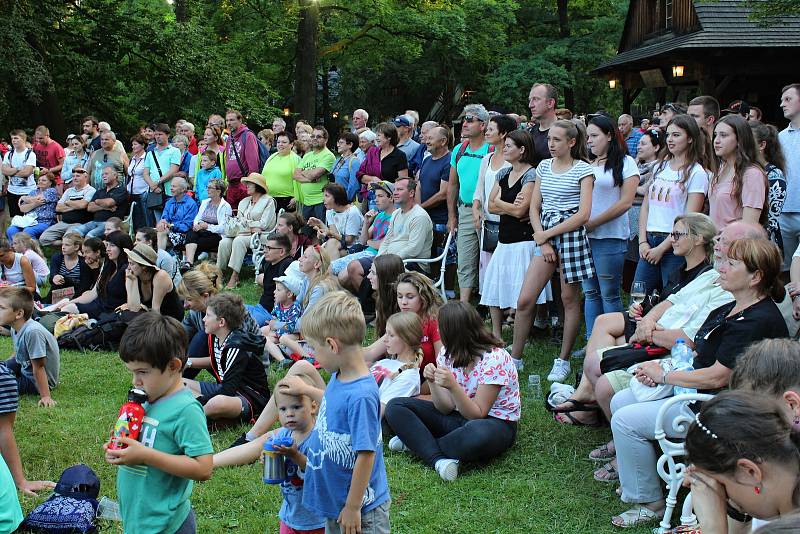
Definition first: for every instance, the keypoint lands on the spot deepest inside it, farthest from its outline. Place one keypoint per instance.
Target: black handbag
(622, 357)
(155, 200)
(491, 234)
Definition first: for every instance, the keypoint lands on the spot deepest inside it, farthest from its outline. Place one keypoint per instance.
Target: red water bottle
(129, 423)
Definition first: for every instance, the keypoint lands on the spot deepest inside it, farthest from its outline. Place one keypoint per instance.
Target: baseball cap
(385, 186)
(738, 107)
(78, 482)
(402, 120)
(293, 284)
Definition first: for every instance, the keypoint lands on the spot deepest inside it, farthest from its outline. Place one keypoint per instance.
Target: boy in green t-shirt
(156, 472)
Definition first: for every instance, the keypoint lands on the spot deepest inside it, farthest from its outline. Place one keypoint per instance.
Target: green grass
(543, 485)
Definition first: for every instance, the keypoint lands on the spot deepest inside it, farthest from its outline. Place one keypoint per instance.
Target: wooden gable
(650, 18)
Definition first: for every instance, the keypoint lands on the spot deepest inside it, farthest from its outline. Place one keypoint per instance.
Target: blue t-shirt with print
(201, 180)
(348, 422)
(292, 512)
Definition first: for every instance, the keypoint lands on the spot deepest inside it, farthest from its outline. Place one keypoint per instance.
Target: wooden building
(684, 48)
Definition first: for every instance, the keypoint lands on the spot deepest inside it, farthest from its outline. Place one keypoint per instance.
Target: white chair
(129, 220)
(670, 466)
(258, 241)
(439, 284)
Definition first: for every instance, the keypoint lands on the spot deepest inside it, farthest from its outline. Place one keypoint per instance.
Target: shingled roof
(723, 24)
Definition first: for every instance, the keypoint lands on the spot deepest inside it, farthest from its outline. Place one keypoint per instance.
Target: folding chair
(129, 220)
(439, 284)
(669, 468)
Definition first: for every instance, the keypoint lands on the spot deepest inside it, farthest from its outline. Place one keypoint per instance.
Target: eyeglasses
(317, 137)
(677, 235)
(273, 248)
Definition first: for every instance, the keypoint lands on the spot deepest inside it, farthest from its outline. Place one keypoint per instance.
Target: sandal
(635, 517)
(611, 473)
(571, 420)
(603, 453)
(575, 406)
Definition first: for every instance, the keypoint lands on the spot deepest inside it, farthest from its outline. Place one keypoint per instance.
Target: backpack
(73, 506)
(263, 154)
(103, 334)
(463, 148)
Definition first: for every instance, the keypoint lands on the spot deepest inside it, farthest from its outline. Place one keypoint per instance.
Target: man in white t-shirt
(18, 167)
(71, 208)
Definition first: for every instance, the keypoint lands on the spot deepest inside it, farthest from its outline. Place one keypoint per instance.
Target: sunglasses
(471, 118)
(677, 235)
(78, 171)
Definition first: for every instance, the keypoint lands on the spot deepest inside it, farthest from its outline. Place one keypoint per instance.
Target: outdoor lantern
(612, 83)
(677, 71)
(285, 112)
(335, 114)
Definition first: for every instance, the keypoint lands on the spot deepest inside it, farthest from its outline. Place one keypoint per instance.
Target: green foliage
(133, 61)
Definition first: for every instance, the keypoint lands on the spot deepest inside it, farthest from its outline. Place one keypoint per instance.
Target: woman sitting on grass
(315, 265)
(397, 375)
(69, 270)
(148, 287)
(109, 291)
(476, 403)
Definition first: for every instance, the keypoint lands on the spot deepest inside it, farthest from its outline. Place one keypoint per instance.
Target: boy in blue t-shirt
(345, 478)
(208, 171)
(154, 481)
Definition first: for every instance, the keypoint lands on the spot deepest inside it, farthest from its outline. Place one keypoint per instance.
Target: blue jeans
(25, 384)
(656, 276)
(259, 313)
(602, 292)
(91, 229)
(34, 231)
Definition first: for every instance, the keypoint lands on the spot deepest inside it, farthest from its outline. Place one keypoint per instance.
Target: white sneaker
(447, 469)
(397, 446)
(560, 370)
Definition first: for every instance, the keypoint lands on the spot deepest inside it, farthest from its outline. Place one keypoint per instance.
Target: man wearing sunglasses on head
(465, 164)
(71, 208)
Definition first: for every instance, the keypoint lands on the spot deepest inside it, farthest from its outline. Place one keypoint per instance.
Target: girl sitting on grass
(28, 247)
(475, 403)
(415, 293)
(397, 376)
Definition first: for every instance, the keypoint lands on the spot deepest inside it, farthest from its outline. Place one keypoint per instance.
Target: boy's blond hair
(337, 315)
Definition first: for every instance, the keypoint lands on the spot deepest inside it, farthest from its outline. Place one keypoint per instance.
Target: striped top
(73, 275)
(561, 192)
(9, 397)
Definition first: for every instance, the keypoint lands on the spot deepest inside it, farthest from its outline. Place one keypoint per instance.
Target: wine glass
(638, 293)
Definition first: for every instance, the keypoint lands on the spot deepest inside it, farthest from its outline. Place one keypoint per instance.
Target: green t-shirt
(278, 171)
(311, 193)
(166, 157)
(10, 510)
(152, 501)
(469, 167)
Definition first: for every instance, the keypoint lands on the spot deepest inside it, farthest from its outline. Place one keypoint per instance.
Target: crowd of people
(550, 221)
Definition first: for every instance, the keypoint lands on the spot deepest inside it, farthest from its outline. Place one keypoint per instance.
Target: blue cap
(78, 482)
(401, 120)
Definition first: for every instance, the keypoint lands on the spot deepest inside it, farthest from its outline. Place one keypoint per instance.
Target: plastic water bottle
(682, 360)
(535, 386)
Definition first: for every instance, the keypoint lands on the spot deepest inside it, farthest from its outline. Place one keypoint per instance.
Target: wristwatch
(188, 363)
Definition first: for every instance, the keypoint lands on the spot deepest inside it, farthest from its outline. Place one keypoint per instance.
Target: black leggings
(432, 435)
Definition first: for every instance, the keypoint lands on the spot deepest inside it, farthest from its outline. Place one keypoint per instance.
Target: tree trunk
(326, 106)
(181, 11)
(305, 86)
(563, 32)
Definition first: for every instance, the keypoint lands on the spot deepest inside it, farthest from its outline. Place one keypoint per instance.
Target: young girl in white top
(679, 186)
(25, 245)
(560, 205)
(616, 178)
(398, 375)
